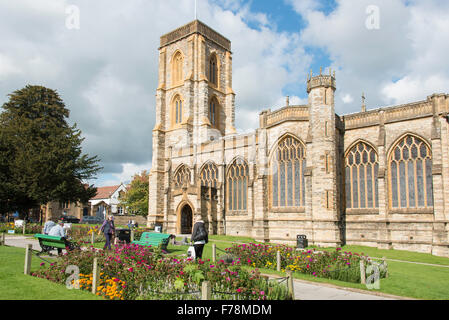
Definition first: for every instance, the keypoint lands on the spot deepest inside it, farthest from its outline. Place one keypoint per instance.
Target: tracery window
(213, 111)
(287, 174)
(213, 70)
(177, 68)
(237, 185)
(209, 176)
(362, 168)
(177, 110)
(182, 176)
(410, 174)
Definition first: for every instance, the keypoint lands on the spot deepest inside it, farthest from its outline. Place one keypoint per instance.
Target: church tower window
(209, 176)
(182, 176)
(213, 112)
(213, 70)
(177, 113)
(177, 68)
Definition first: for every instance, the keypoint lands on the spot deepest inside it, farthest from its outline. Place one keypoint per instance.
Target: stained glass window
(287, 178)
(209, 176)
(237, 180)
(182, 175)
(410, 167)
(361, 177)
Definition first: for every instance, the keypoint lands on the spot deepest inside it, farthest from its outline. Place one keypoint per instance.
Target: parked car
(91, 220)
(70, 219)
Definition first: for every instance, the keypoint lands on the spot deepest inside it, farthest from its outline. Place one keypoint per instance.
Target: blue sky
(106, 70)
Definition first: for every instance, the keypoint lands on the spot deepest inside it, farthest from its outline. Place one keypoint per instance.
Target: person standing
(199, 237)
(108, 228)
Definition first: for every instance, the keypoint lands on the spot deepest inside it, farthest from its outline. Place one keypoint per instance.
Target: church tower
(194, 99)
(323, 154)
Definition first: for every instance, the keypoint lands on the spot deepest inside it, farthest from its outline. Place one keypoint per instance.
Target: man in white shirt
(48, 225)
(58, 231)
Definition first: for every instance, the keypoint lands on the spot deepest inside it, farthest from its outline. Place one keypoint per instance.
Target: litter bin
(124, 235)
(301, 241)
(158, 228)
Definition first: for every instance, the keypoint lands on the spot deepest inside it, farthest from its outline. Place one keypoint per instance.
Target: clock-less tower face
(195, 100)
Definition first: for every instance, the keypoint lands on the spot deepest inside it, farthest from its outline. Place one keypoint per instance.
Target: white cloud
(409, 46)
(8, 67)
(347, 98)
(106, 72)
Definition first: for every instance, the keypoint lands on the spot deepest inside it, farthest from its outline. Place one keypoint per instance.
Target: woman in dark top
(108, 228)
(199, 237)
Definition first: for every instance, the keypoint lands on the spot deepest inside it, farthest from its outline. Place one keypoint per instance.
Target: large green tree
(135, 200)
(41, 158)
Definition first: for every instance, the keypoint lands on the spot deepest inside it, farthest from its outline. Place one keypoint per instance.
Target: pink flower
(262, 293)
(239, 290)
(131, 269)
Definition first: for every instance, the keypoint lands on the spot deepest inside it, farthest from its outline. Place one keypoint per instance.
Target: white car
(18, 223)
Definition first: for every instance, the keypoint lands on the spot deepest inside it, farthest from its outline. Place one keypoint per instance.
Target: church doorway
(186, 220)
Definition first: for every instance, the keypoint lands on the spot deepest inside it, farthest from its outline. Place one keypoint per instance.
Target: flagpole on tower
(196, 11)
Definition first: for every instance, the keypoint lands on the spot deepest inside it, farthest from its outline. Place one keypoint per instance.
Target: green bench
(153, 239)
(48, 243)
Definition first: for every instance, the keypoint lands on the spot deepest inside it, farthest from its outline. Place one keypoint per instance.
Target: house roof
(105, 192)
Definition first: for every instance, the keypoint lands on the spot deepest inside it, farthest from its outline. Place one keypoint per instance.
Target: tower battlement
(321, 80)
(195, 27)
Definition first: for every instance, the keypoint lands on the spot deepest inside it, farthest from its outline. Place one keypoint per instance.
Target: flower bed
(134, 272)
(338, 265)
(82, 234)
(30, 228)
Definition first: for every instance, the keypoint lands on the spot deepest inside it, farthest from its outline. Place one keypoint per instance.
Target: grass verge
(17, 286)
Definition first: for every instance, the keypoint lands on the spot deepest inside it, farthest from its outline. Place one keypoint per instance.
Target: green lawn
(395, 254)
(17, 286)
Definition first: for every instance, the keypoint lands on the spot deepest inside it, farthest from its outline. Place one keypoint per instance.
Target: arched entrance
(186, 220)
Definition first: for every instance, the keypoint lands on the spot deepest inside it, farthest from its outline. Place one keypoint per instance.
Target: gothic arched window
(410, 174)
(361, 168)
(182, 175)
(287, 174)
(213, 111)
(237, 185)
(213, 69)
(177, 110)
(177, 68)
(209, 176)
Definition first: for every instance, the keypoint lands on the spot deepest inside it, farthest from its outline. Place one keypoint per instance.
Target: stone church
(376, 178)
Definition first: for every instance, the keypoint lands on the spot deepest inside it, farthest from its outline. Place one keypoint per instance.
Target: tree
(136, 198)
(41, 158)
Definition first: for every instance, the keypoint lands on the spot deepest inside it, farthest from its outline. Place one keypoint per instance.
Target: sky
(102, 58)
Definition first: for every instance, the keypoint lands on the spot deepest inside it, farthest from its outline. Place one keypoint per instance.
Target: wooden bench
(48, 243)
(153, 239)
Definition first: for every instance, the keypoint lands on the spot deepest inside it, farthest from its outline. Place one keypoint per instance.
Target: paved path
(307, 290)
(22, 241)
(310, 291)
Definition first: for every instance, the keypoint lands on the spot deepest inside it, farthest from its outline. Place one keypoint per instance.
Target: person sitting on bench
(48, 225)
(58, 231)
